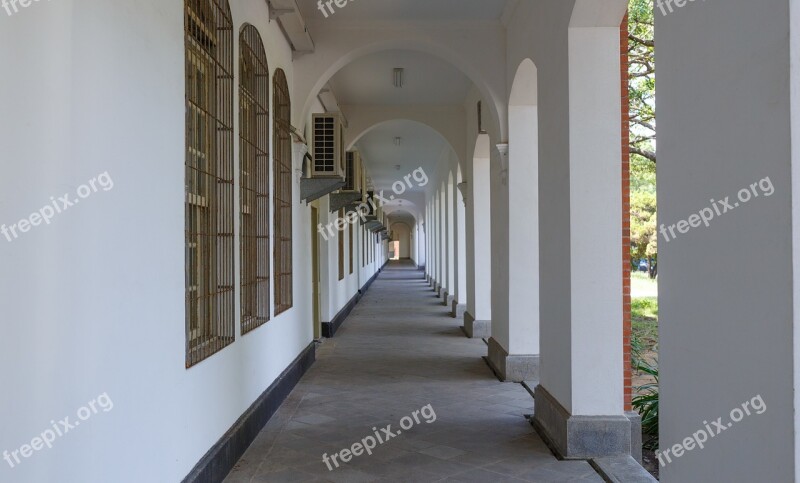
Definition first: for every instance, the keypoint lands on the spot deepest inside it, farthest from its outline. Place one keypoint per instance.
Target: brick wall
(626, 213)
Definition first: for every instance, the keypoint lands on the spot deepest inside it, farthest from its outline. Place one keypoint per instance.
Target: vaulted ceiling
(406, 10)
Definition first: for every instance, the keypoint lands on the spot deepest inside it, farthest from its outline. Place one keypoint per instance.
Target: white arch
(461, 250)
(359, 131)
(346, 51)
(402, 233)
(451, 235)
(477, 319)
(524, 90)
(483, 148)
(598, 13)
(519, 282)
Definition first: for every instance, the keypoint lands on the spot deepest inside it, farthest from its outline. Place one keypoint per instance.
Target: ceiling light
(398, 77)
(397, 141)
(397, 166)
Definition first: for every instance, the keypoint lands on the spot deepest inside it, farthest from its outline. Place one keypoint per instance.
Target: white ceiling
(420, 147)
(406, 10)
(427, 80)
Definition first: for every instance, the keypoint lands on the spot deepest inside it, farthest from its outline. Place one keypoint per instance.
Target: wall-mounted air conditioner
(352, 172)
(328, 146)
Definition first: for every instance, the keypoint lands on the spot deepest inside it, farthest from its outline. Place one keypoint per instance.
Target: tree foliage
(642, 79)
(642, 89)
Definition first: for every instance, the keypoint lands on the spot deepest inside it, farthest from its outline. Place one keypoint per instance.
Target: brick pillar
(626, 213)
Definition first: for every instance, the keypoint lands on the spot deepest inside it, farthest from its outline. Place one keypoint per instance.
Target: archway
(313, 76)
(514, 345)
(401, 233)
(478, 315)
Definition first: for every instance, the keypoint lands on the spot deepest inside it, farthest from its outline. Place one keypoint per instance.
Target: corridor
(396, 353)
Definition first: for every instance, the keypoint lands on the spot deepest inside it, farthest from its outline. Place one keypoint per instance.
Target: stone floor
(398, 352)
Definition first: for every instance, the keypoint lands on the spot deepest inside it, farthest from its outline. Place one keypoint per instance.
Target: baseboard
(330, 328)
(369, 282)
(221, 458)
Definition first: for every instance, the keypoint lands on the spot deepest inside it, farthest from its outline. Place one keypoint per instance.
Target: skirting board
(329, 328)
(220, 459)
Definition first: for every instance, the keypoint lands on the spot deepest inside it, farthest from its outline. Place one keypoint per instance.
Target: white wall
(725, 291)
(94, 302)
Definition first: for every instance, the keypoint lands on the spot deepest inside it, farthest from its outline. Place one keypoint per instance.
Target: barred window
(350, 241)
(340, 239)
(208, 205)
(254, 178)
(282, 138)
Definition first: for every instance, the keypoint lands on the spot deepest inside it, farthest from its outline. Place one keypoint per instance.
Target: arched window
(209, 207)
(282, 138)
(254, 178)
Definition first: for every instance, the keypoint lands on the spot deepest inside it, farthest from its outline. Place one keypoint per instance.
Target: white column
(459, 304)
(427, 228)
(514, 347)
(442, 209)
(595, 207)
(580, 395)
(451, 242)
(477, 319)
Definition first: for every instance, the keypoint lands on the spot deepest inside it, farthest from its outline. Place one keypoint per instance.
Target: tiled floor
(398, 352)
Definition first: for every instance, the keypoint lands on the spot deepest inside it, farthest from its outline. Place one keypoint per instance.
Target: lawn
(644, 321)
(644, 325)
(644, 311)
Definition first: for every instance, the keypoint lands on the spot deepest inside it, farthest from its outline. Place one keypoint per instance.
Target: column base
(579, 437)
(476, 329)
(437, 288)
(512, 368)
(457, 310)
(636, 435)
(446, 298)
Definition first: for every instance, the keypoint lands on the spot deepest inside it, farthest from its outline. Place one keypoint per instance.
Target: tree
(642, 90)
(641, 78)
(644, 237)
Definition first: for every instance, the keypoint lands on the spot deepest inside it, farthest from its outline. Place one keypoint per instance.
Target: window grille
(350, 241)
(340, 237)
(282, 137)
(254, 179)
(209, 209)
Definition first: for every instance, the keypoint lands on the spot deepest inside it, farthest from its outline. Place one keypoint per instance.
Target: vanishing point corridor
(396, 353)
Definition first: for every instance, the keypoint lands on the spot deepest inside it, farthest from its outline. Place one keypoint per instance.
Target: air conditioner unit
(369, 200)
(328, 156)
(352, 172)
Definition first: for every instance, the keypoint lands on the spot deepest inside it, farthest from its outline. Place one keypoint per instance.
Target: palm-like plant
(646, 400)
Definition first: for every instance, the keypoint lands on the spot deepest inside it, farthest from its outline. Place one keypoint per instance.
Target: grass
(644, 322)
(643, 286)
(644, 311)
